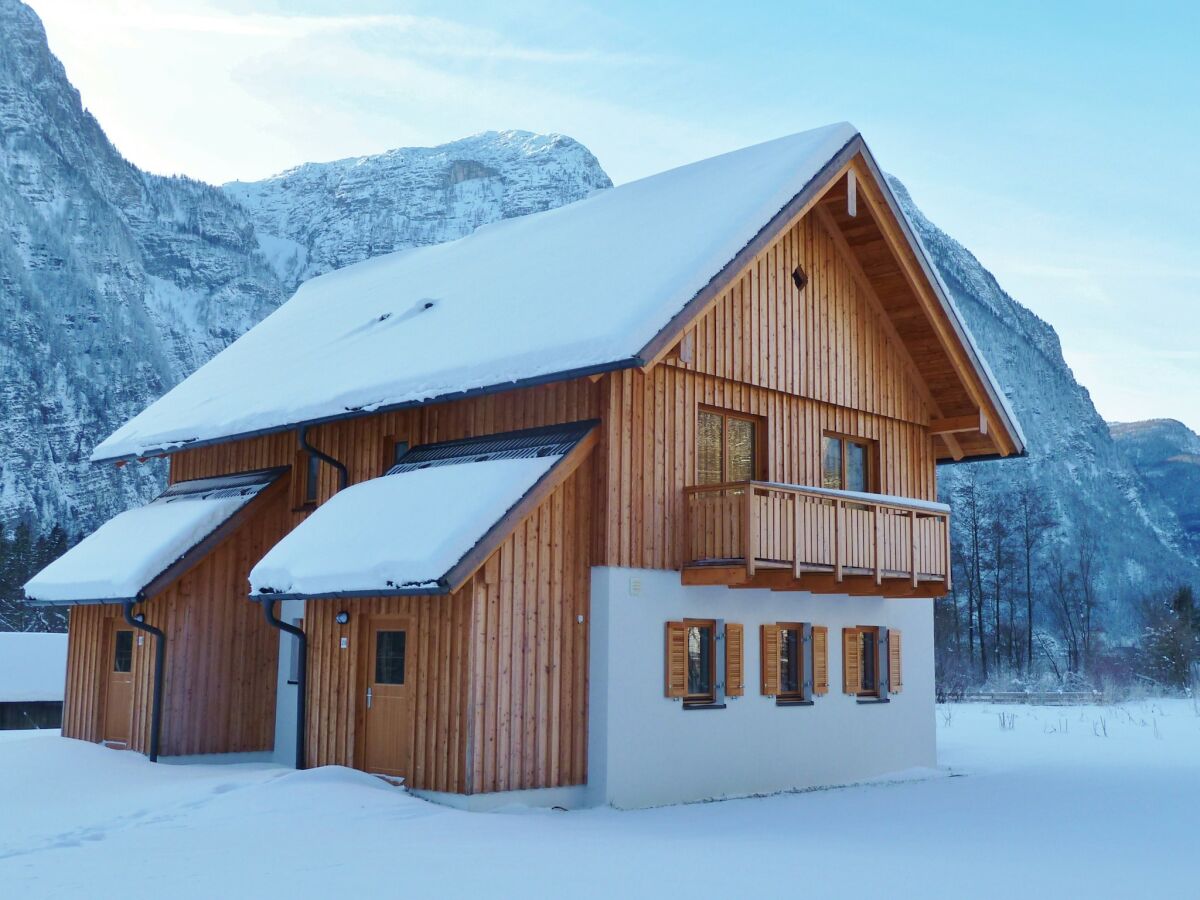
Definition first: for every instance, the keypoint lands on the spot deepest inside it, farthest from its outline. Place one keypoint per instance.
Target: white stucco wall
(646, 750)
(285, 693)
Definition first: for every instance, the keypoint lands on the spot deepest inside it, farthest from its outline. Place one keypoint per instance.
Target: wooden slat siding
(220, 676)
(501, 683)
(794, 426)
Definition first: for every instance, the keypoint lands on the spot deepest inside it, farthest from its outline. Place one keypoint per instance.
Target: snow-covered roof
(121, 558)
(577, 289)
(406, 531)
(33, 666)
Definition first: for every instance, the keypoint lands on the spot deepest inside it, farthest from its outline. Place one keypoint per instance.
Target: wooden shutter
(735, 668)
(676, 659)
(895, 675)
(851, 661)
(820, 652)
(770, 660)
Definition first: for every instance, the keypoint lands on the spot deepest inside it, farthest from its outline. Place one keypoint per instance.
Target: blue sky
(1055, 140)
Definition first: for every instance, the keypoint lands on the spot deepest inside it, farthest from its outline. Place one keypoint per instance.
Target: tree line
(1032, 603)
(22, 555)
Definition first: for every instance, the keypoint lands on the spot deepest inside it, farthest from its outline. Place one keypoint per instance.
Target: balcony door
(388, 699)
(118, 687)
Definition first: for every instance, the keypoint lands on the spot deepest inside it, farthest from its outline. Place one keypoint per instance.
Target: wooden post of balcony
(685, 541)
(946, 530)
(751, 527)
(879, 541)
(837, 540)
(912, 545)
(801, 545)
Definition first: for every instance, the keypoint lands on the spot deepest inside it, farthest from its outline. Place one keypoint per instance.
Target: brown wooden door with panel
(387, 719)
(118, 687)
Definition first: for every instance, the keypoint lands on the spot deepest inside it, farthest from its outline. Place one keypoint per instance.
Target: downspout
(268, 605)
(343, 475)
(160, 652)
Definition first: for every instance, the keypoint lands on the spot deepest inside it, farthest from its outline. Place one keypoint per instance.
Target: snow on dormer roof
(574, 290)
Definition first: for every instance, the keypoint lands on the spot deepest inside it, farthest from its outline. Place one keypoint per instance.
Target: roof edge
(974, 355)
(632, 362)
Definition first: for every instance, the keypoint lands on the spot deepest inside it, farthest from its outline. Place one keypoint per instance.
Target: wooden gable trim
(196, 555)
(864, 283)
(799, 206)
(474, 558)
(928, 289)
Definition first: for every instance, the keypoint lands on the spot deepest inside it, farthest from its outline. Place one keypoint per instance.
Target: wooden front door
(118, 689)
(387, 720)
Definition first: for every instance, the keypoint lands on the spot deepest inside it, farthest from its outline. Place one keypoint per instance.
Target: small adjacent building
(628, 502)
(33, 666)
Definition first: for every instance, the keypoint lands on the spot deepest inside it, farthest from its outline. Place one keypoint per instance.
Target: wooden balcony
(757, 534)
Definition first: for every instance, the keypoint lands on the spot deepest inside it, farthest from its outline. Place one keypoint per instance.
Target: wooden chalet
(513, 505)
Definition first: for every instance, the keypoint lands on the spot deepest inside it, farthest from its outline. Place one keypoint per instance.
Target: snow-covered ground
(1064, 802)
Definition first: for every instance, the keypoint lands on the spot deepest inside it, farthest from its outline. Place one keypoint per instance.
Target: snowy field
(1064, 802)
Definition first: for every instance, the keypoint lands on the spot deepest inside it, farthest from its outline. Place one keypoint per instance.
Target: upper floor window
(306, 477)
(847, 463)
(312, 477)
(728, 447)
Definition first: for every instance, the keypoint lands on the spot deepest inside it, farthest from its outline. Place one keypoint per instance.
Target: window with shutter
(866, 651)
(770, 660)
(895, 673)
(735, 668)
(820, 651)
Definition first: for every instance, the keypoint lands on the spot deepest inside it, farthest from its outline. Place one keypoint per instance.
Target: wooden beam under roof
(975, 422)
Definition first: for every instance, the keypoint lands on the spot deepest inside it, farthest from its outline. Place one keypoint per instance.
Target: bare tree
(1035, 519)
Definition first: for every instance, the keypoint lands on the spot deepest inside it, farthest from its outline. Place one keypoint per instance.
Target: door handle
(368, 698)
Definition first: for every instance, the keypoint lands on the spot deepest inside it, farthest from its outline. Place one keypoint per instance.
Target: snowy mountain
(1072, 458)
(1167, 454)
(115, 284)
(322, 216)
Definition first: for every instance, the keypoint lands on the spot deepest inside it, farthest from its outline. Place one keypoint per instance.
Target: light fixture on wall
(140, 617)
(342, 618)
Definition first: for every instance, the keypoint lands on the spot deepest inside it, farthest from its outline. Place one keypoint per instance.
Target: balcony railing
(764, 525)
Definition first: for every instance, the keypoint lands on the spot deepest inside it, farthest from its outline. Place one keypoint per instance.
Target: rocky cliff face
(1072, 457)
(322, 216)
(116, 284)
(1167, 455)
